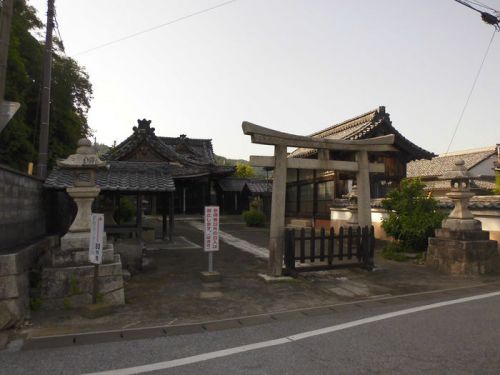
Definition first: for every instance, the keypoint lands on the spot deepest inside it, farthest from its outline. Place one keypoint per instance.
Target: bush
(127, 211)
(254, 218)
(394, 251)
(413, 216)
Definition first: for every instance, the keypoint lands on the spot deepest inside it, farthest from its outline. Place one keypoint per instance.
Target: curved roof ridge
(491, 149)
(344, 125)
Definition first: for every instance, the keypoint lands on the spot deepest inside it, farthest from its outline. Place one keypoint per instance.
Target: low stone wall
(340, 216)
(22, 208)
(14, 278)
(485, 208)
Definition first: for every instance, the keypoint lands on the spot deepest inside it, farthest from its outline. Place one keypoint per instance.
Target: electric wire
(471, 90)
(58, 32)
(168, 23)
(478, 3)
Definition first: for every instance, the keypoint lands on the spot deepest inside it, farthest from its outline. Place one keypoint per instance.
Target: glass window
(306, 198)
(291, 198)
(325, 196)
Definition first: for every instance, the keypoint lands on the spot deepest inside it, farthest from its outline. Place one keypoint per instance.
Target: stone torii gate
(281, 163)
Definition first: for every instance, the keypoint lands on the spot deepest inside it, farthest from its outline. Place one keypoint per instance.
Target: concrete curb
(45, 342)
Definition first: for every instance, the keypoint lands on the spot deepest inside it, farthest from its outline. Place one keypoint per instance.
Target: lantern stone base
(463, 252)
(69, 280)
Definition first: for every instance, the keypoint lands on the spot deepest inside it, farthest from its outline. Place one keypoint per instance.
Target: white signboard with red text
(211, 228)
(96, 238)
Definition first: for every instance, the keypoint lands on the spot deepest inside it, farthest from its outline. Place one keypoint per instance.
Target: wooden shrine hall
(164, 175)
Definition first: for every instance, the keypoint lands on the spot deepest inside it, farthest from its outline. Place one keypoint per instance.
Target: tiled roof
(260, 186)
(200, 147)
(444, 163)
(232, 184)
(367, 125)
(121, 176)
(186, 151)
(445, 184)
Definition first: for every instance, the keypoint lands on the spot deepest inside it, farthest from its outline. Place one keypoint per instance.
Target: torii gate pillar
(277, 212)
(363, 184)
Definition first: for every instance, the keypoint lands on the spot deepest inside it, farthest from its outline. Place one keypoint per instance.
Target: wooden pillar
(171, 216)
(138, 216)
(164, 215)
(153, 204)
(184, 200)
(363, 183)
(277, 229)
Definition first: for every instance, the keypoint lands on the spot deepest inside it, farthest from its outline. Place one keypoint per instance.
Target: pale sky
(291, 65)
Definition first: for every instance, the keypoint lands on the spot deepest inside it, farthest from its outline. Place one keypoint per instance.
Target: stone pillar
(276, 232)
(363, 184)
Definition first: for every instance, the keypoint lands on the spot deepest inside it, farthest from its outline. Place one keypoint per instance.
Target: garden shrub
(413, 216)
(254, 218)
(127, 210)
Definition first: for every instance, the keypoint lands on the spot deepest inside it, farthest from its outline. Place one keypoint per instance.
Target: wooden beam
(266, 136)
(300, 163)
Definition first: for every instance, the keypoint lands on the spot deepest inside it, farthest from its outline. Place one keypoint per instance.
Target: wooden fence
(312, 251)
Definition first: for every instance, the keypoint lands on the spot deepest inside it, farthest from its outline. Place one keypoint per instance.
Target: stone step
(62, 282)
(80, 240)
(78, 257)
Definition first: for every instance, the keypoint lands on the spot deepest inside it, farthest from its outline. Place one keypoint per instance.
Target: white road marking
(285, 340)
(259, 252)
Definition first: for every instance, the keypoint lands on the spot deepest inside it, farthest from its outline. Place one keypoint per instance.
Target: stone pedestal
(68, 282)
(463, 252)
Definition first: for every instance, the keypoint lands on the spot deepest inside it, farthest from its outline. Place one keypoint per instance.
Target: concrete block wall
(22, 208)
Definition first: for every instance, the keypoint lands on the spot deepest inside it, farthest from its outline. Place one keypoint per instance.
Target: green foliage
(73, 286)
(413, 216)
(394, 251)
(71, 92)
(244, 171)
(35, 303)
(256, 204)
(254, 218)
(67, 303)
(99, 298)
(496, 190)
(126, 212)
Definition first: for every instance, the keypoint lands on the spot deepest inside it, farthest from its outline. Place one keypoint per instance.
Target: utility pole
(45, 112)
(6, 20)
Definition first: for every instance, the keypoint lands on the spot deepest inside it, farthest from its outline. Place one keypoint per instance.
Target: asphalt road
(461, 338)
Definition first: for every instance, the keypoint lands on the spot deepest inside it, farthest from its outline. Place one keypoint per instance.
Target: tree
(496, 190)
(71, 93)
(244, 171)
(413, 216)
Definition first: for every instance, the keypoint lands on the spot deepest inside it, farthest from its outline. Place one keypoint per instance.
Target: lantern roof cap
(84, 158)
(458, 172)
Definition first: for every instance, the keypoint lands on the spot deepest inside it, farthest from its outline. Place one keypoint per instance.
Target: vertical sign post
(95, 247)
(211, 242)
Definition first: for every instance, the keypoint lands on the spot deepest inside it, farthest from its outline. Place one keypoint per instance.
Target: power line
(168, 23)
(59, 32)
(478, 3)
(471, 90)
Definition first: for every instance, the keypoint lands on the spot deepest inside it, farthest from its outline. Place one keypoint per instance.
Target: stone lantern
(353, 207)
(460, 218)
(84, 164)
(460, 246)
(69, 280)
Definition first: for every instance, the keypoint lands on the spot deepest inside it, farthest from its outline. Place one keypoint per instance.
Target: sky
(292, 65)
